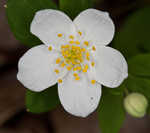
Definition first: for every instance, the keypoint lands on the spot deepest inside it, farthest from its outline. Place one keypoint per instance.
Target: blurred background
(14, 117)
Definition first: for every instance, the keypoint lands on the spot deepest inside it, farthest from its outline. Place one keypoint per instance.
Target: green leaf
(139, 75)
(133, 38)
(139, 84)
(116, 91)
(140, 65)
(20, 14)
(111, 112)
(74, 7)
(38, 102)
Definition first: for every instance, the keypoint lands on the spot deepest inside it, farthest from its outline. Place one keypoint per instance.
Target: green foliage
(139, 78)
(138, 84)
(38, 102)
(133, 38)
(74, 7)
(20, 14)
(140, 65)
(111, 112)
(117, 91)
(139, 75)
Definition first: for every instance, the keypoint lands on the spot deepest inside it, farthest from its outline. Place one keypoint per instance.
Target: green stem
(126, 91)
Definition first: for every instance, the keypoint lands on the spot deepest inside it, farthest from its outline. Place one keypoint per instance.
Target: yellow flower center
(93, 81)
(59, 80)
(74, 56)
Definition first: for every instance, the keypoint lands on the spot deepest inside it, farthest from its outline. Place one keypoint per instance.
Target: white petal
(48, 23)
(110, 67)
(36, 68)
(96, 25)
(79, 98)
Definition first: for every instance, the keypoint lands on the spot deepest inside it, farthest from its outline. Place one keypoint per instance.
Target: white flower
(75, 56)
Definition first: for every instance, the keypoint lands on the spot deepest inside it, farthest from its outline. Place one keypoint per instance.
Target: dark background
(13, 116)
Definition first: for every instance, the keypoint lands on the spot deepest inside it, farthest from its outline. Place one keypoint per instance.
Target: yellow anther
(93, 81)
(77, 78)
(86, 43)
(63, 64)
(67, 61)
(93, 63)
(67, 46)
(75, 75)
(83, 49)
(79, 68)
(50, 48)
(56, 71)
(71, 42)
(77, 42)
(58, 60)
(80, 33)
(85, 68)
(87, 54)
(73, 47)
(73, 56)
(75, 69)
(59, 80)
(59, 35)
(73, 62)
(69, 68)
(88, 58)
(63, 46)
(93, 48)
(81, 60)
(71, 37)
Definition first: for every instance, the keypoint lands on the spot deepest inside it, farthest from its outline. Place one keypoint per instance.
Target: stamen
(67, 46)
(93, 64)
(80, 33)
(79, 68)
(62, 46)
(58, 60)
(69, 68)
(87, 58)
(93, 48)
(87, 55)
(83, 49)
(74, 57)
(63, 64)
(74, 69)
(71, 37)
(75, 74)
(56, 71)
(71, 42)
(77, 42)
(86, 43)
(85, 68)
(59, 35)
(93, 81)
(77, 78)
(50, 48)
(59, 80)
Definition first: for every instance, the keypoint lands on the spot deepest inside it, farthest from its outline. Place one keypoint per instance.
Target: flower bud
(136, 104)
